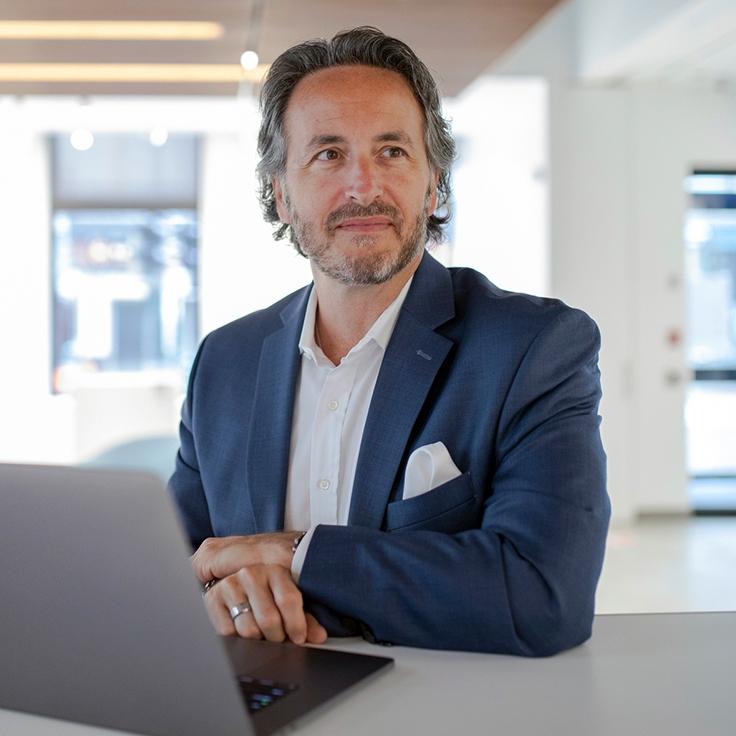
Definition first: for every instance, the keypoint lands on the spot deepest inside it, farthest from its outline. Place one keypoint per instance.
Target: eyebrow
(325, 140)
(392, 136)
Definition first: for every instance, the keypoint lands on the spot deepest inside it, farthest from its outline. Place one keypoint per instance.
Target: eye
(329, 154)
(393, 152)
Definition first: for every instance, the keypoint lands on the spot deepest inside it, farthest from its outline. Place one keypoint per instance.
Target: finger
(254, 580)
(217, 611)
(316, 633)
(218, 557)
(202, 560)
(288, 599)
(244, 624)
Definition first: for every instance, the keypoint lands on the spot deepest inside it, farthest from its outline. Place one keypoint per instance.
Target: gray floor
(664, 564)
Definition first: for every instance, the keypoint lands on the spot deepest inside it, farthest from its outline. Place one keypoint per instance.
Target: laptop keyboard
(259, 694)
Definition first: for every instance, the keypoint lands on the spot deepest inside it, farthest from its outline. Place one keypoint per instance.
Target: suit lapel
(270, 432)
(413, 357)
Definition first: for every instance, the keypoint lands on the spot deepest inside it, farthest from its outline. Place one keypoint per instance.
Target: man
(435, 437)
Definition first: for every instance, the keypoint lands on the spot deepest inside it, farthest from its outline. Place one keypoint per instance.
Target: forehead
(352, 99)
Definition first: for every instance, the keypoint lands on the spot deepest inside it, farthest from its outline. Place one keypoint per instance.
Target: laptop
(102, 620)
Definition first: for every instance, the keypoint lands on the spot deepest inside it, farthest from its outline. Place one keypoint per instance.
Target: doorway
(710, 276)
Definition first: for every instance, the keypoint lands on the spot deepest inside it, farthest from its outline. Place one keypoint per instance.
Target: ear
(280, 196)
(432, 193)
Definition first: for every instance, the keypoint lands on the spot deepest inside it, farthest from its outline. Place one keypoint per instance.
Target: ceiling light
(82, 139)
(158, 137)
(128, 30)
(176, 73)
(249, 60)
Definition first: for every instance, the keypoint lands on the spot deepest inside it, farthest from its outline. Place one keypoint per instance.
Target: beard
(367, 266)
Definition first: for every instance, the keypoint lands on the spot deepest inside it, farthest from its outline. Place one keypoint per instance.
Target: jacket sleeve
(524, 581)
(185, 485)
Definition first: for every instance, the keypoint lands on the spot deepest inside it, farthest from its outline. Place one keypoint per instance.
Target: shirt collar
(379, 333)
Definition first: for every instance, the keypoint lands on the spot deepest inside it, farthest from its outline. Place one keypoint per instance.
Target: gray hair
(365, 46)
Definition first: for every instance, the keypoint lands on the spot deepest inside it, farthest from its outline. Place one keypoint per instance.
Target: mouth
(365, 224)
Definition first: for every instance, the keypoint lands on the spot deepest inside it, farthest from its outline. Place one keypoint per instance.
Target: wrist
(285, 546)
(298, 536)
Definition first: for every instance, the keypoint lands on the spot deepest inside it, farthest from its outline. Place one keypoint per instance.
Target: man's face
(358, 187)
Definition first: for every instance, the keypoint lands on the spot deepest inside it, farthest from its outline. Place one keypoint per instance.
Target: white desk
(671, 674)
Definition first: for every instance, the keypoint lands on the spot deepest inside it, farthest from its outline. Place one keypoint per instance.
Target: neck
(346, 312)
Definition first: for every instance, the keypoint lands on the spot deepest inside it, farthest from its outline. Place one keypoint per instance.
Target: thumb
(202, 562)
(316, 633)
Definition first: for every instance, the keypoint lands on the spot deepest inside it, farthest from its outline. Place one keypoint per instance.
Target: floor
(670, 564)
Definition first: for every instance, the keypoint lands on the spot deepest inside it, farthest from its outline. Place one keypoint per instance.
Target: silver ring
(241, 608)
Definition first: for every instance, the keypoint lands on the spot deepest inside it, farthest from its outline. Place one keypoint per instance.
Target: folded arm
(523, 582)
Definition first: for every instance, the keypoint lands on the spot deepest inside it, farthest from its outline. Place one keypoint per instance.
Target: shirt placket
(326, 443)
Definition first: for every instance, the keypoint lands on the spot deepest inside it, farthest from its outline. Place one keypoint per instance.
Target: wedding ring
(241, 608)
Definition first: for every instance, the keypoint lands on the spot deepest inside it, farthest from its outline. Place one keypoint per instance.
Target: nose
(363, 185)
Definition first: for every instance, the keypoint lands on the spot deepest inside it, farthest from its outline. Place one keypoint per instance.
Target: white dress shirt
(330, 409)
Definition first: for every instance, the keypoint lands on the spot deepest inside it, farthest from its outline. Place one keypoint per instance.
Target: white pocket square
(428, 467)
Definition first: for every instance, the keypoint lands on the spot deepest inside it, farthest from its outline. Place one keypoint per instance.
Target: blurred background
(597, 164)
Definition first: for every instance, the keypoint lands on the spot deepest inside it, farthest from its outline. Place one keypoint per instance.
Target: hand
(218, 557)
(276, 606)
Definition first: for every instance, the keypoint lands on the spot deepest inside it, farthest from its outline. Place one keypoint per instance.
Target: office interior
(596, 164)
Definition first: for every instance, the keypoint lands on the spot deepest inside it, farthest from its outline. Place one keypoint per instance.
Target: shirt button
(332, 405)
(324, 485)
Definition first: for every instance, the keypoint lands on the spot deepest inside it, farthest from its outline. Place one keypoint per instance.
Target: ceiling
(686, 42)
(458, 40)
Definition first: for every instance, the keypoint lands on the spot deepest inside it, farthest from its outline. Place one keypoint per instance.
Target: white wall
(618, 159)
(241, 268)
(500, 182)
(675, 131)
(33, 423)
(590, 229)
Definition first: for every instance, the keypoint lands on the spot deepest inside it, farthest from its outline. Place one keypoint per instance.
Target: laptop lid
(100, 615)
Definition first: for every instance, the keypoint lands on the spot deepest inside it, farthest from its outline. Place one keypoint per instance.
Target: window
(124, 259)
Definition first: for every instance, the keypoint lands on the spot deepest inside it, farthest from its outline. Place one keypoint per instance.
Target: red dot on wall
(674, 337)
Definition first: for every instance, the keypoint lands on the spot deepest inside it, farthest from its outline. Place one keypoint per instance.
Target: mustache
(376, 209)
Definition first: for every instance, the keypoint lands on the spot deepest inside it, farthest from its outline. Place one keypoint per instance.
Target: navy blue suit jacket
(505, 557)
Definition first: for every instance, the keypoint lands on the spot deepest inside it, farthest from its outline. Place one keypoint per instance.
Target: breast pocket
(451, 507)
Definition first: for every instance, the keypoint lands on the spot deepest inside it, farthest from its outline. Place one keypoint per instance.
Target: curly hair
(360, 46)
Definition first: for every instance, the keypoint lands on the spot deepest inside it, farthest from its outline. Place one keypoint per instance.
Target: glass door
(710, 274)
